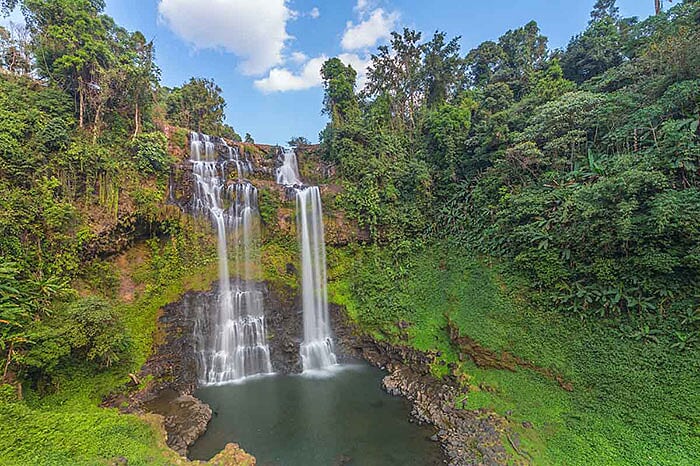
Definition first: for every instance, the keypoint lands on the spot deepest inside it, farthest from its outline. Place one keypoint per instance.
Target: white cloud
(373, 26)
(254, 30)
(314, 13)
(282, 79)
(367, 33)
(362, 6)
(298, 57)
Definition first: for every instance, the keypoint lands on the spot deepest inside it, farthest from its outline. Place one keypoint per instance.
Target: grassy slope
(633, 403)
(68, 427)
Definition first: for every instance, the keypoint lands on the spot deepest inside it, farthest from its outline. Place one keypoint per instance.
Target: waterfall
(317, 348)
(288, 173)
(244, 167)
(231, 344)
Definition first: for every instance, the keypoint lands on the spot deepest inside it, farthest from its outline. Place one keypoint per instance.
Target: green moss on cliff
(632, 402)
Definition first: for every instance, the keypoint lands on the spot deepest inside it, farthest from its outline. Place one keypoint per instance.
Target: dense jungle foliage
(84, 167)
(580, 167)
(546, 201)
(84, 162)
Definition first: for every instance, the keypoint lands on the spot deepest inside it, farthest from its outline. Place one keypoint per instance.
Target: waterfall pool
(339, 417)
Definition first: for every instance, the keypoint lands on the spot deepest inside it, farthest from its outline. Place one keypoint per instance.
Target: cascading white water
(288, 173)
(316, 350)
(243, 166)
(231, 344)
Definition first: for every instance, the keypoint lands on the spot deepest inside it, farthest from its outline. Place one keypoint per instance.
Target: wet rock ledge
(164, 386)
(467, 437)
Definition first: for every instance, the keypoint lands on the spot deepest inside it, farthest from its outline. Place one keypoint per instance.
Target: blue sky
(265, 54)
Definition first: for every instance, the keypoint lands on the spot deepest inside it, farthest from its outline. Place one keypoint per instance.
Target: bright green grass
(71, 429)
(68, 427)
(633, 403)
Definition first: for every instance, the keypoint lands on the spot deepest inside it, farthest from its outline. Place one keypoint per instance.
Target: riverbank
(569, 391)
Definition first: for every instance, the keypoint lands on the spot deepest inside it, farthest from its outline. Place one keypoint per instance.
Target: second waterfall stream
(316, 350)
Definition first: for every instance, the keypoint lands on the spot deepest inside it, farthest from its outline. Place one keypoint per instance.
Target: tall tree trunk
(657, 4)
(137, 121)
(98, 121)
(81, 101)
(10, 350)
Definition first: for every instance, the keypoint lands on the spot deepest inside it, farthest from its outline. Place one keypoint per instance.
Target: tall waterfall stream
(233, 343)
(317, 348)
(329, 414)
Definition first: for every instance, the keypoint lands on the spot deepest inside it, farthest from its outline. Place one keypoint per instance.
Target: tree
(141, 75)
(524, 53)
(443, 69)
(71, 38)
(484, 62)
(599, 47)
(15, 55)
(604, 9)
(518, 54)
(395, 75)
(298, 141)
(197, 105)
(446, 132)
(339, 101)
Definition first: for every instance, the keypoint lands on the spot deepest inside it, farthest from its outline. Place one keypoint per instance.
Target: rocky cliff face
(277, 203)
(165, 384)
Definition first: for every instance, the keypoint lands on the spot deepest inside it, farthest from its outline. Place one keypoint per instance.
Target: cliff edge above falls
(277, 203)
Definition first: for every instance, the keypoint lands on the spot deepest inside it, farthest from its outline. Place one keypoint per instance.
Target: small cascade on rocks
(244, 167)
(316, 350)
(231, 342)
(288, 173)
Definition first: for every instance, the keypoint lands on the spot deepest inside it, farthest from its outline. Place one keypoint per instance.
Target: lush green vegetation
(574, 174)
(547, 202)
(84, 166)
(633, 401)
(588, 187)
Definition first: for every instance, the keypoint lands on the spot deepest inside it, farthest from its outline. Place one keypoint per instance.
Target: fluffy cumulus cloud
(301, 72)
(282, 79)
(255, 30)
(376, 25)
(298, 57)
(362, 6)
(309, 76)
(315, 13)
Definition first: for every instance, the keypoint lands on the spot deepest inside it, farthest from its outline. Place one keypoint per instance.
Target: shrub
(150, 151)
(54, 135)
(86, 330)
